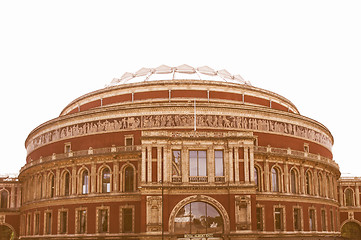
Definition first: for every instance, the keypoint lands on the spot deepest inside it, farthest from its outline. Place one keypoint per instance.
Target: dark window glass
(293, 181)
(105, 180)
(48, 223)
(349, 197)
(323, 220)
(103, 220)
(128, 141)
(256, 179)
(129, 179)
(331, 221)
(297, 219)
(82, 221)
(52, 186)
(278, 219)
(63, 221)
(259, 217)
(66, 184)
(308, 183)
(275, 180)
(4, 199)
(312, 220)
(37, 224)
(127, 220)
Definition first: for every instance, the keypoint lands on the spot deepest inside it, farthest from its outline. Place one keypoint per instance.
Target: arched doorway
(351, 230)
(199, 217)
(6, 233)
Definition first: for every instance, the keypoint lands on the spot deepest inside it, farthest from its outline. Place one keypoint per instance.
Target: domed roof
(182, 72)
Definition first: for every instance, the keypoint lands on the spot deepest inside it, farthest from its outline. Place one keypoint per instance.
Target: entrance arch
(199, 216)
(351, 230)
(7, 232)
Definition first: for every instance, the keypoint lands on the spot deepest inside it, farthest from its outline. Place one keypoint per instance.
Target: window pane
(275, 180)
(63, 222)
(218, 158)
(278, 219)
(312, 220)
(259, 217)
(82, 221)
(193, 163)
(127, 220)
(202, 164)
(48, 223)
(85, 182)
(4, 199)
(199, 224)
(129, 179)
(256, 181)
(106, 180)
(103, 220)
(297, 219)
(293, 181)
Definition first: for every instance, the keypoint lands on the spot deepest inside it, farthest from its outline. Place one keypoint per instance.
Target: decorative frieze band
(165, 121)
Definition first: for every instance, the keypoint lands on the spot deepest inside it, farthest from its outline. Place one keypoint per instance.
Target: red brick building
(182, 153)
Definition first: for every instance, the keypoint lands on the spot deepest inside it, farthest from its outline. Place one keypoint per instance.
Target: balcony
(83, 153)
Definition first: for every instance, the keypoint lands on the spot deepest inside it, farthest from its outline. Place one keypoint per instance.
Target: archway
(199, 217)
(351, 231)
(6, 233)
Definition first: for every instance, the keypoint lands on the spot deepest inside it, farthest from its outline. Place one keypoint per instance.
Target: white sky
(52, 52)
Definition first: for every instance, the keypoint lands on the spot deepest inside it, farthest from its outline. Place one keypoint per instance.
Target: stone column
(266, 176)
(159, 164)
(73, 180)
(230, 162)
(149, 149)
(93, 175)
(211, 165)
(18, 199)
(12, 196)
(286, 186)
(185, 164)
(302, 180)
(57, 182)
(236, 165)
(246, 165)
(116, 176)
(357, 193)
(341, 195)
(167, 158)
(143, 172)
(251, 163)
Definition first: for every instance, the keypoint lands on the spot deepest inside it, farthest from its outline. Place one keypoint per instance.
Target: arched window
(329, 187)
(349, 197)
(257, 179)
(294, 181)
(275, 180)
(105, 177)
(40, 187)
(52, 186)
(85, 182)
(66, 185)
(198, 218)
(128, 179)
(308, 183)
(4, 199)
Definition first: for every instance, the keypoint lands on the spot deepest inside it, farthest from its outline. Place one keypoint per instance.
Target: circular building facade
(179, 153)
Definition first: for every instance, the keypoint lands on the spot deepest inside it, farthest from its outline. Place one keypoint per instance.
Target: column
(286, 186)
(185, 164)
(57, 182)
(251, 163)
(266, 176)
(236, 165)
(166, 164)
(341, 195)
(93, 177)
(116, 176)
(230, 162)
(246, 167)
(143, 173)
(149, 149)
(12, 196)
(18, 194)
(211, 165)
(73, 180)
(357, 193)
(159, 164)
(302, 180)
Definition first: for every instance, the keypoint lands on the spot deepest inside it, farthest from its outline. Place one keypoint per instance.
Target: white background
(52, 52)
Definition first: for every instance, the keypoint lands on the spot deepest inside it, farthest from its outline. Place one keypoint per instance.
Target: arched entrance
(6, 233)
(351, 230)
(199, 217)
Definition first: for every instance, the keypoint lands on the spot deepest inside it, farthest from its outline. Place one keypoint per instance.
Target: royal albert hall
(180, 153)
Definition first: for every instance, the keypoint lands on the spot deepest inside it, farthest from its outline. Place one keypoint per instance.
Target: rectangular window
(127, 220)
(48, 223)
(331, 221)
(28, 226)
(312, 219)
(63, 222)
(198, 163)
(103, 215)
(36, 223)
(218, 161)
(297, 219)
(176, 166)
(278, 217)
(259, 217)
(81, 221)
(128, 141)
(323, 219)
(67, 147)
